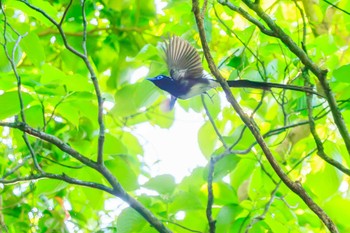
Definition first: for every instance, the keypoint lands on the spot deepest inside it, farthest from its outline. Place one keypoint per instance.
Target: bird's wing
(182, 59)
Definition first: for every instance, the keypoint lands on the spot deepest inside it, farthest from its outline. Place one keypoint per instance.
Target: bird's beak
(151, 79)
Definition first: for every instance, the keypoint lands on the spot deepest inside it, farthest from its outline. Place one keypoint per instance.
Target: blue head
(164, 82)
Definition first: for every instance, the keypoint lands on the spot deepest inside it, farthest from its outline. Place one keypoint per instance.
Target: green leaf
(190, 200)
(146, 53)
(243, 171)
(342, 74)
(260, 184)
(130, 139)
(207, 139)
(42, 5)
(32, 46)
(213, 104)
(9, 103)
(225, 166)
(131, 98)
(34, 116)
(275, 224)
(113, 146)
(224, 194)
(130, 221)
(95, 196)
(49, 186)
(338, 208)
(122, 168)
(163, 184)
(226, 217)
(161, 118)
(5, 65)
(68, 112)
(320, 170)
(325, 39)
(77, 82)
(52, 75)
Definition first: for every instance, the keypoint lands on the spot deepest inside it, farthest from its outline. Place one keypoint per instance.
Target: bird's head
(163, 82)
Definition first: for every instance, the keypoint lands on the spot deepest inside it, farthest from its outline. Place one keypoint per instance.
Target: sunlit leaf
(164, 184)
(11, 105)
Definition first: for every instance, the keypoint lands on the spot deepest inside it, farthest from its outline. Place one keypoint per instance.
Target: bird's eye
(159, 77)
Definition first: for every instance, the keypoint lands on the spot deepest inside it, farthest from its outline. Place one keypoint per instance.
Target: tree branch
(62, 177)
(51, 139)
(317, 71)
(118, 190)
(248, 17)
(84, 57)
(294, 186)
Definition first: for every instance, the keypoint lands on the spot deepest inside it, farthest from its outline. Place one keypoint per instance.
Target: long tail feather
(268, 86)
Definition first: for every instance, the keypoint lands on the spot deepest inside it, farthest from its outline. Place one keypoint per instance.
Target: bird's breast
(193, 87)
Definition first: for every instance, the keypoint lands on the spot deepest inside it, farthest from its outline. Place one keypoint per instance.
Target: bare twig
(11, 59)
(101, 137)
(210, 202)
(213, 123)
(337, 7)
(65, 13)
(266, 209)
(303, 41)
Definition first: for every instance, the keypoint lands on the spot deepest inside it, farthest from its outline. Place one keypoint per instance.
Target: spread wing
(182, 59)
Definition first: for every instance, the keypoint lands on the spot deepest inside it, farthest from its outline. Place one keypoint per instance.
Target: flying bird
(188, 78)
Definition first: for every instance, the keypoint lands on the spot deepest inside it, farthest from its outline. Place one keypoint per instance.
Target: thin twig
(18, 166)
(65, 13)
(183, 227)
(266, 209)
(19, 85)
(337, 7)
(101, 137)
(213, 123)
(210, 201)
(320, 149)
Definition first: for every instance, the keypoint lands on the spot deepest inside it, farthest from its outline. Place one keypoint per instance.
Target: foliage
(54, 177)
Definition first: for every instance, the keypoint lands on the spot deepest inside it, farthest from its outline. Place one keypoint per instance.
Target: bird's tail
(268, 86)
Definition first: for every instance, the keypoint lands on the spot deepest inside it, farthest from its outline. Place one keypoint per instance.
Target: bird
(188, 78)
